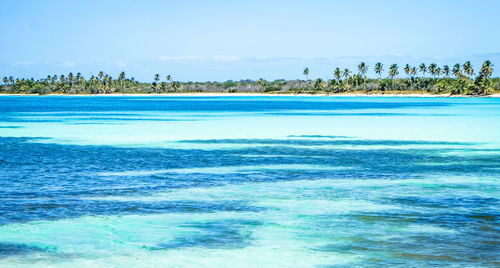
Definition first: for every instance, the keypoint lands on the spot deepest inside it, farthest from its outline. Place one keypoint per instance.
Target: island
(458, 80)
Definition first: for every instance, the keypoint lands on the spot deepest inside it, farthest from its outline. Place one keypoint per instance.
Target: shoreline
(223, 94)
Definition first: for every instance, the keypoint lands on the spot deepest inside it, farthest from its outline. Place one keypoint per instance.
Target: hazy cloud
(26, 63)
(180, 58)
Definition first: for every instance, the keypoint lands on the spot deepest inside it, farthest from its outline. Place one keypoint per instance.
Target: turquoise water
(249, 181)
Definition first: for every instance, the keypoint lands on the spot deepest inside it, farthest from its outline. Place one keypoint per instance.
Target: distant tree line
(458, 79)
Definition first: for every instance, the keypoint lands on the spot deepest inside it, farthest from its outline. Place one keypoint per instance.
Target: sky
(220, 40)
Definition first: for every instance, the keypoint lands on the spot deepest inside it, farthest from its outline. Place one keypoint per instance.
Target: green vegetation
(459, 80)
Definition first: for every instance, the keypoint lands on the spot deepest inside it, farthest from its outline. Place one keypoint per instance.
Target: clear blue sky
(220, 40)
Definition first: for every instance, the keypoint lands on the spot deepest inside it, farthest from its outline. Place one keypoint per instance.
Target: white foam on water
(287, 190)
(223, 170)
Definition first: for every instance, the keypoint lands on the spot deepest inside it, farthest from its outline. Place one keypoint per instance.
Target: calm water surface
(249, 181)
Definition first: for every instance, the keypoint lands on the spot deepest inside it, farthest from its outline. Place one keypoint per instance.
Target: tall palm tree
(306, 73)
(482, 82)
(413, 71)
(423, 69)
(468, 69)
(5, 80)
(362, 69)
(446, 70)
(432, 69)
(407, 69)
(101, 74)
(156, 78)
(487, 69)
(337, 74)
(121, 76)
(379, 68)
(393, 72)
(457, 71)
(346, 74)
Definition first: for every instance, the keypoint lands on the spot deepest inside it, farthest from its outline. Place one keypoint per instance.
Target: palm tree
(393, 72)
(379, 68)
(337, 74)
(487, 69)
(101, 74)
(446, 70)
(468, 69)
(482, 82)
(5, 80)
(413, 71)
(175, 86)
(169, 78)
(121, 76)
(319, 84)
(306, 73)
(423, 69)
(162, 87)
(432, 69)
(346, 74)
(156, 78)
(457, 71)
(407, 69)
(362, 69)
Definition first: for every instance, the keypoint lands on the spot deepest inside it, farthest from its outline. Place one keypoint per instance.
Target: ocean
(265, 181)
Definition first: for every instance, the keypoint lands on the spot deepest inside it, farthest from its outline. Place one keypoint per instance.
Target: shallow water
(249, 181)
